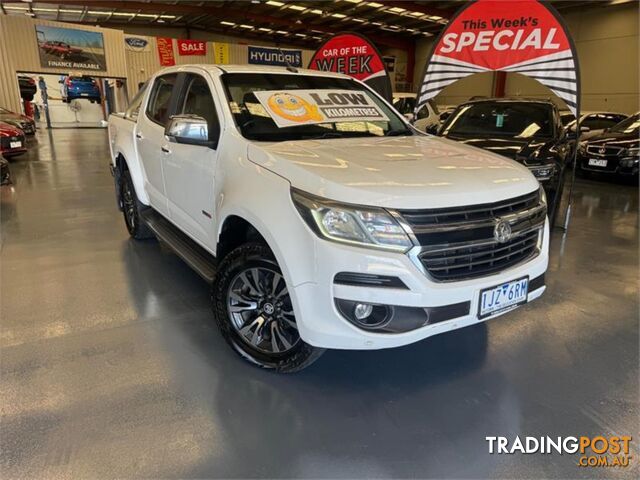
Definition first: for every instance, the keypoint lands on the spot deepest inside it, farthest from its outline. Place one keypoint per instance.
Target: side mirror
(409, 116)
(191, 130)
(584, 129)
(433, 129)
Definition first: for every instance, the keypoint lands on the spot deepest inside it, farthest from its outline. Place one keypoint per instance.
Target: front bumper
(615, 165)
(322, 325)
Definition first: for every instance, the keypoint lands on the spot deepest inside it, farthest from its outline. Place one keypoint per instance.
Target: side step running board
(193, 254)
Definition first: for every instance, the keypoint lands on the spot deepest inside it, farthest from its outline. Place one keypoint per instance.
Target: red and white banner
(353, 55)
(192, 47)
(523, 36)
(165, 51)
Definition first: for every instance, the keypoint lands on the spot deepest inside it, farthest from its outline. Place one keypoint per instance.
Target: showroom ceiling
(390, 23)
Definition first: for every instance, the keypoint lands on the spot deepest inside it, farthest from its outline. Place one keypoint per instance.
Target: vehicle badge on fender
(502, 231)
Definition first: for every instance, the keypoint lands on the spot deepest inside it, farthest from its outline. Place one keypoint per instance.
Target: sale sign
(165, 51)
(192, 47)
(523, 36)
(353, 55)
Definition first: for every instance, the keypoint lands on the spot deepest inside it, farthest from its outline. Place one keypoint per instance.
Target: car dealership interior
(319, 239)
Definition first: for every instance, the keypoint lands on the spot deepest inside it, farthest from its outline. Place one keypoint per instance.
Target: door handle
(165, 149)
(138, 136)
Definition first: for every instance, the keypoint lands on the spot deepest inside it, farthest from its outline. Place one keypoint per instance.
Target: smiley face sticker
(293, 108)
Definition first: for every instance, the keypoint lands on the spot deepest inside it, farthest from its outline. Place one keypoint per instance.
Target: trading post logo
(598, 451)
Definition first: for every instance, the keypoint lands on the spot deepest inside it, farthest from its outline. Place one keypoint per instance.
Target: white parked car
(320, 217)
(427, 116)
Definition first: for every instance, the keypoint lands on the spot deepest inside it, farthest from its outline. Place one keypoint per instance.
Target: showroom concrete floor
(112, 365)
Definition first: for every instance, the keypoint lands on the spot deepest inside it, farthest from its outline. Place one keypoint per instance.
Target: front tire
(253, 310)
(132, 209)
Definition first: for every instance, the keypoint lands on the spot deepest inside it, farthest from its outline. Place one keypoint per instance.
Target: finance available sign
(289, 108)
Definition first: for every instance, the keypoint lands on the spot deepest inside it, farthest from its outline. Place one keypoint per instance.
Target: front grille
(457, 263)
(458, 243)
(607, 151)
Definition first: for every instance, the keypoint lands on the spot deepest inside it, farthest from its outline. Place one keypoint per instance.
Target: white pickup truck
(321, 218)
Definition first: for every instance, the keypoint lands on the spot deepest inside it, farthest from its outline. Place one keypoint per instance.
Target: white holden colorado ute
(320, 217)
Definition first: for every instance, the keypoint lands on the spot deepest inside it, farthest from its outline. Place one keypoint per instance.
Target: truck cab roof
(262, 69)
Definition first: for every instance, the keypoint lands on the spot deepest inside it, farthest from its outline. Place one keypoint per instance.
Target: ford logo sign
(136, 42)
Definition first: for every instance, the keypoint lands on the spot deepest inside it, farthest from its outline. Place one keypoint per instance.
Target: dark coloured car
(24, 123)
(28, 87)
(615, 151)
(12, 140)
(80, 87)
(527, 130)
(5, 172)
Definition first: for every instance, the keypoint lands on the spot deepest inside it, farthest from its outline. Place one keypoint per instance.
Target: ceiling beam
(220, 11)
(420, 7)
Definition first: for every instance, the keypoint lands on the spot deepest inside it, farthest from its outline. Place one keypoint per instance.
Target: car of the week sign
(523, 36)
(289, 108)
(353, 55)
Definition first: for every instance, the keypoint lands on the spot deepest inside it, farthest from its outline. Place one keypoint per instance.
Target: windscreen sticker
(289, 108)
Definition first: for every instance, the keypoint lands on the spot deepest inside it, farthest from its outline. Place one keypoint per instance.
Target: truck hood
(395, 172)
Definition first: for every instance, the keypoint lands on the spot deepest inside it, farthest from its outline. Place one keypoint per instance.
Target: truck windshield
(255, 123)
(502, 119)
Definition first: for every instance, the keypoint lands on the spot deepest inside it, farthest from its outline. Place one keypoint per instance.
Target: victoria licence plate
(502, 297)
(597, 162)
(15, 144)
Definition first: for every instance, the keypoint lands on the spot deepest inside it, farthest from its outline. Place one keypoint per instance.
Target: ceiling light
(317, 12)
(262, 29)
(282, 32)
(30, 14)
(242, 25)
(229, 24)
(9, 7)
(160, 20)
(40, 9)
(359, 20)
(377, 24)
(146, 15)
(255, 1)
(427, 34)
(395, 9)
(374, 4)
(275, 4)
(170, 17)
(353, 1)
(317, 38)
(301, 35)
(416, 14)
(123, 14)
(299, 8)
(338, 15)
(435, 18)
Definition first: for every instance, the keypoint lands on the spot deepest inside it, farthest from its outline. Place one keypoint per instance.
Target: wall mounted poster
(70, 48)
(165, 51)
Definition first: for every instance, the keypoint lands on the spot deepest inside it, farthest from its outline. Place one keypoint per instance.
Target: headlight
(544, 172)
(632, 152)
(543, 196)
(582, 147)
(351, 224)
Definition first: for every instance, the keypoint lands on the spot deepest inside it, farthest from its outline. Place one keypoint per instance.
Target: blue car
(80, 87)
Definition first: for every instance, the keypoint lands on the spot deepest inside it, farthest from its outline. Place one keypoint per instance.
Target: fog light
(362, 311)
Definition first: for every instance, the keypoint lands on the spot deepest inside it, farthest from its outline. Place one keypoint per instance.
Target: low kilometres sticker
(289, 108)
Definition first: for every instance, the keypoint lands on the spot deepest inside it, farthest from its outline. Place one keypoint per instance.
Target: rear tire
(132, 209)
(253, 310)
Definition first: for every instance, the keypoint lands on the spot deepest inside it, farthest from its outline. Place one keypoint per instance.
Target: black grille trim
(472, 261)
(368, 280)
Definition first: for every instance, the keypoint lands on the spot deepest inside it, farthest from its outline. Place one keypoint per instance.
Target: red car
(12, 140)
(61, 49)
